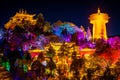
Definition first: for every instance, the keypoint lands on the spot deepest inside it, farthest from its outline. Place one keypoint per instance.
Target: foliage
(51, 66)
(76, 64)
(37, 68)
(50, 52)
(101, 45)
(1, 34)
(42, 26)
(2, 37)
(114, 42)
(37, 33)
(65, 50)
(64, 31)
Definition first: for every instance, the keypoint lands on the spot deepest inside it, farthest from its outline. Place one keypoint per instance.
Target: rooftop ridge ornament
(98, 11)
(22, 11)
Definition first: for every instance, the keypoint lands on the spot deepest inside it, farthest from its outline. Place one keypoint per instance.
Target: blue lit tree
(64, 31)
(2, 33)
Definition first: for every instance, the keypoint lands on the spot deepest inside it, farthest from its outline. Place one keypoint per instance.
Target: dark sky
(76, 11)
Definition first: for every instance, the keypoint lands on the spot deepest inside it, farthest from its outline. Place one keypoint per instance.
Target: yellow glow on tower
(99, 28)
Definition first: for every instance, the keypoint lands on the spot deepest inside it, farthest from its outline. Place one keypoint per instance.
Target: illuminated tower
(99, 28)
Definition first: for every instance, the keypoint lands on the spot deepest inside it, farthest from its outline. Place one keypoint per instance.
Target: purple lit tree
(22, 29)
(42, 26)
(114, 42)
(38, 43)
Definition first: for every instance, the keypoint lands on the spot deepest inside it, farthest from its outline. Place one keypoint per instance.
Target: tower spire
(98, 10)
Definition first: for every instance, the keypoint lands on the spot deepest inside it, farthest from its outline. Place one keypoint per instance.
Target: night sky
(76, 11)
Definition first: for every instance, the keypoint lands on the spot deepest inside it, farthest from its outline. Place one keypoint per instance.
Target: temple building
(18, 19)
(99, 21)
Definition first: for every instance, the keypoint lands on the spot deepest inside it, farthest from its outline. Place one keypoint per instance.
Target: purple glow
(39, 43)
(114, 42)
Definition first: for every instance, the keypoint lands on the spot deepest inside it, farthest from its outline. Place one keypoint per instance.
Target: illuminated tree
(2, 38)
(4, 73)
(50, 52)
(101, 45)
(117, 66)
(38, 68)
(64, 31)
(88, 34)
(40, 20)
(51, 66)
(42, 26)
(75, 66)
(57, 23)
(18, 27)
(39, 24)
(1, 34)
(114, 42)
(64, 50)
(94, 65)
(47, 29)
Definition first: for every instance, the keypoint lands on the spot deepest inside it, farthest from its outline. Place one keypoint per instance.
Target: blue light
(1, 34)
(64, 31)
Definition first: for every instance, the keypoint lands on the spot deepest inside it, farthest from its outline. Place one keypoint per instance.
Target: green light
(8, 66)
(25, 68)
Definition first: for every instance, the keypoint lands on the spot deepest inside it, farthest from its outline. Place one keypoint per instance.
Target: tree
(50, 52)
(114, 42)
(64, 31)
(51, 66)
(101, 46)
(57, 23)
(75, 66)
(40, 20)
(47, 29)
(117, 66)
(39, 24)
(38, 68)
(18, 26)
(64, 50)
